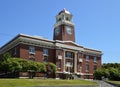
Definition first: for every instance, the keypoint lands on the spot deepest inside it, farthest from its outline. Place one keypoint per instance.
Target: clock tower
(64, 27)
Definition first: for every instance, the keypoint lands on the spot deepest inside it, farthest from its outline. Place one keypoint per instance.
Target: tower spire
(64, 27)
(64, 11)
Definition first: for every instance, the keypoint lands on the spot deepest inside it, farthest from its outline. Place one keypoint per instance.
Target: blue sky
(97, 22)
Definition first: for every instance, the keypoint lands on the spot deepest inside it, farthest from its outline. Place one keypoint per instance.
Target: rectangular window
(59, 63)
(68, 54)
(31, 49)
(95, 67)
(95, 59)
(87, 58)
(15, 51)
(80, 55)
(59, 52)
(80, 69)
(45, 58)
(32, 59)
(87, 68)
(45, 51)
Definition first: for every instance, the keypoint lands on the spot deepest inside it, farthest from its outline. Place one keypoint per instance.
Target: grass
(115, 82)
(38, 82)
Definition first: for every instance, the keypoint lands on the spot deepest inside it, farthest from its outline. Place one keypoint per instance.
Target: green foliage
(24, 64)
(50, 67)
(18, 64)
(37, 67)
(108, 65)
(114, 74)
(53, 67)
(11, 64)
(99, 73)
(6, 56)
(110, 71)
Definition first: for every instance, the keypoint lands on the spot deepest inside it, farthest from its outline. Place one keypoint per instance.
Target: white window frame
(59, 52)
(45, 51)
(95, 59)
(31, 49)
(59, 64)
(95, 67)
(87, 58)
(87, 68)
(68, 54)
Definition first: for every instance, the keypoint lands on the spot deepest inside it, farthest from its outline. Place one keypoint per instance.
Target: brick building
(69, 57)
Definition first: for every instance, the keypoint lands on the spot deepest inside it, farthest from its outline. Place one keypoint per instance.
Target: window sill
(68, 58)
(86, 71)
(87, 61)
(95, 62)
(45, 54)
(31, 53)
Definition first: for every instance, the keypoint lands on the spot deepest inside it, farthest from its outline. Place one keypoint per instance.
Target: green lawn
(38, 82)
(115, 82)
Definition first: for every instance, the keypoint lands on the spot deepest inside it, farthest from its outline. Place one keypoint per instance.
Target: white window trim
(31, 48)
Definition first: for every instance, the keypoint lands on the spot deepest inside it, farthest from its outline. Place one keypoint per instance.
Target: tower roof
(64, 11)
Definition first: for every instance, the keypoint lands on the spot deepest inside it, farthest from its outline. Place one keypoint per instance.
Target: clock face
(57, 31)
(69, 29)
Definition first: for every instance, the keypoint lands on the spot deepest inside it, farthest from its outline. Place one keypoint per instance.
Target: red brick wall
(91, 64)
(24, 53)
(63, 34)
(62, 60)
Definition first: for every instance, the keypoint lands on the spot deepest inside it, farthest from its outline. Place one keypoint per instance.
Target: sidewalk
(104, 84)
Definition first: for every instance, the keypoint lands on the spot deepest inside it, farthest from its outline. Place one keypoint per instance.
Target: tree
(53, 67)
(10, 65)
(24, 63)
(114, 74)
(37, 66)
(99, 73)
(50, 69)
(108, 65)
(18, 64)
(110, 71)
(6, 56)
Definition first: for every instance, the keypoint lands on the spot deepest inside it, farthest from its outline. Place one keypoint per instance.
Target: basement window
(32, 59)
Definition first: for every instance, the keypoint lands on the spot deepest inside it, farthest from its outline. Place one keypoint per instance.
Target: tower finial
(64, 11)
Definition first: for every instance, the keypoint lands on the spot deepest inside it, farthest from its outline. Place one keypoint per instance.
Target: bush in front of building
(50, 69)
(18, 64)
(9, 64)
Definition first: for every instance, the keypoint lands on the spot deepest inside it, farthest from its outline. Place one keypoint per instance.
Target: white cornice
(35, 41)
(42, 42)
(36, 37)
(26, 40)
(63, 22)
(78, 48)
(69, 47)
(93, 52)
(67, 42)
(9, 45)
